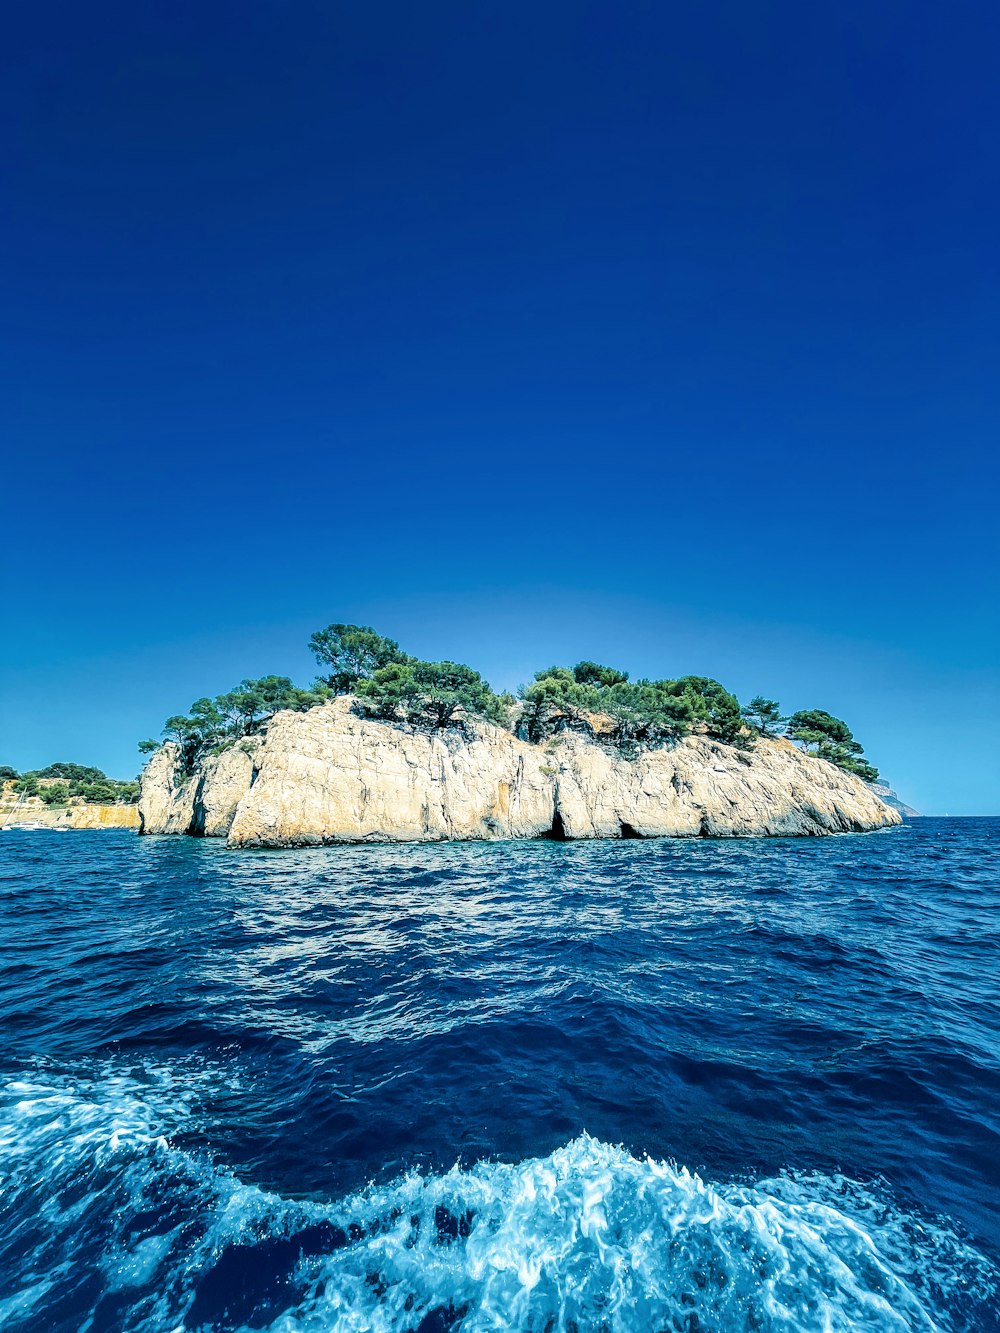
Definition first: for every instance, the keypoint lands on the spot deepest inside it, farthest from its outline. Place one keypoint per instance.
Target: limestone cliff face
(328, 776)
(202, 803)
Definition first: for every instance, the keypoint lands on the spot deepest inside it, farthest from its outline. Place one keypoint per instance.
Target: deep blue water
(641, 1085)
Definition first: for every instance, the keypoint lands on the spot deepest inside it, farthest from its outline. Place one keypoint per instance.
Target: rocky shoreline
(331, 776)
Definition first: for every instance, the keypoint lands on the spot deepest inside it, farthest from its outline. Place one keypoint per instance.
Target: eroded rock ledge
(329, 776)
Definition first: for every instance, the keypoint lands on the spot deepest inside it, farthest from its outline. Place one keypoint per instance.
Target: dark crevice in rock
(557, 833)
(628, 831)
(196, 829)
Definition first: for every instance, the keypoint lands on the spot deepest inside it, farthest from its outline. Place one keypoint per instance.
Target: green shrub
(58, 794)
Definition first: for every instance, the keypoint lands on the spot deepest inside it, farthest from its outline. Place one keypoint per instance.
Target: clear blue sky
(663, 334)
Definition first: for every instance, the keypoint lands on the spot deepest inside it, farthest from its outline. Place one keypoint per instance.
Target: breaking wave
(114, 1217)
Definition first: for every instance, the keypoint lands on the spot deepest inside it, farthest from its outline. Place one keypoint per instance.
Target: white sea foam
(586, 1238)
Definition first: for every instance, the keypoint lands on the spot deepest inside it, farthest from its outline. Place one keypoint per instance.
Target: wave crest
(587, 1238)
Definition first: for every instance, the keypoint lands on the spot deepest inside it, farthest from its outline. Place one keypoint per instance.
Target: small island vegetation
(212, 724)
(831, 739)
(598, 700)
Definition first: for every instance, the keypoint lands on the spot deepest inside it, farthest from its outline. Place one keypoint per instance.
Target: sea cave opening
(557, 833)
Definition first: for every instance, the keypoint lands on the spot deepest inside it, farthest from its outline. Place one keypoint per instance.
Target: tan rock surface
(203, 803)
(329, 776)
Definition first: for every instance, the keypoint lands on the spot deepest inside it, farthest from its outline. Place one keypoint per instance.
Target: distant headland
(64, 795)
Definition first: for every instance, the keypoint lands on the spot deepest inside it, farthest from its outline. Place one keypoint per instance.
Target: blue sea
(676, 1085)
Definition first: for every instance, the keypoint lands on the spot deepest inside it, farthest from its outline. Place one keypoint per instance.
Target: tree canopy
(352, 653)
(647, 713)
(592, 673)
(764, 716)
(556, 699)
(79, 772)
(436, 693)
(827, 737)
(643, 713)
(239, 712)
(714, 708)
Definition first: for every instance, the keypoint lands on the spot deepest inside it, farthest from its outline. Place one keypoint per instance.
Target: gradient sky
(663, 334)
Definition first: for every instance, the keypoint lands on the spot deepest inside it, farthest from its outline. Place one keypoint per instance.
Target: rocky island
(328, 776)
(390, 749)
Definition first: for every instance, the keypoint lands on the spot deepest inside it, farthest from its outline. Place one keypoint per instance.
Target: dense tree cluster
(392, 685)
(830, 739)
(435, 693)
(241, 711)
(61, 783)
(642, 713)
(353, 653)
(602, 701)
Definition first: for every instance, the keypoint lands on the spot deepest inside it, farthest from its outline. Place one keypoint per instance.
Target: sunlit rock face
(201, 803)
(329, 776)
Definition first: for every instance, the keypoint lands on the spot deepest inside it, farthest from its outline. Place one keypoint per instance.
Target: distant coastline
(67, 796)
(82, 816)
(892, 799)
